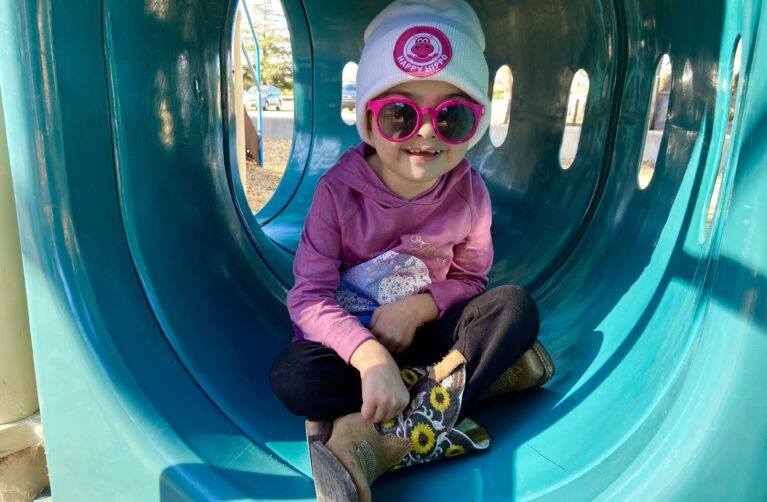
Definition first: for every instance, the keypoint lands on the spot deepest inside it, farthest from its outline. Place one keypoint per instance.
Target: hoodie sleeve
(312, 303)
(472, 257)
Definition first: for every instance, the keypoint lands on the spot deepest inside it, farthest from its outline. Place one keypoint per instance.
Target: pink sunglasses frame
(375, 106)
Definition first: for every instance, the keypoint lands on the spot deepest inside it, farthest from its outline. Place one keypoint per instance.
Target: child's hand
(394, 324)
(384, 395)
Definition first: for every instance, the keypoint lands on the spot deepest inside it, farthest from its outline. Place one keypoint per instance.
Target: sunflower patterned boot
(429, 421)
(349, 454)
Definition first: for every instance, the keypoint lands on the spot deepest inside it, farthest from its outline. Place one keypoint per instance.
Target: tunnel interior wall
(157, 301)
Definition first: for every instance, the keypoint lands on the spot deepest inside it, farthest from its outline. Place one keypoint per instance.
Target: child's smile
(412, 167)
(423, 153)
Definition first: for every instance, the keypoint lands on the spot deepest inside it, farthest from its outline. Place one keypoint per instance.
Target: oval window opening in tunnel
(349, 93)
(501, 106)
(731, 108)
(263, 76)
(656, 121)
(576, 107)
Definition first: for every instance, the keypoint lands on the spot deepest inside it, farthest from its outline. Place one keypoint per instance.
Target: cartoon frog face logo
(422, 51)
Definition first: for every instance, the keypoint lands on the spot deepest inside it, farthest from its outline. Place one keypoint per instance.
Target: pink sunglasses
(455, 121)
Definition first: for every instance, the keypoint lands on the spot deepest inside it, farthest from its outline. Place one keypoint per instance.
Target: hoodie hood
(354, 171)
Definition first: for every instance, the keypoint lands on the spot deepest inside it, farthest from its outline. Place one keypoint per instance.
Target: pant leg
(313, 381)
(491, 330)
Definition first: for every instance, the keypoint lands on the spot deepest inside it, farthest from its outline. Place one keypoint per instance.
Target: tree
(274, 42)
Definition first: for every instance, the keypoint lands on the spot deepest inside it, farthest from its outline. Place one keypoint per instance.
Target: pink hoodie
(363, 246)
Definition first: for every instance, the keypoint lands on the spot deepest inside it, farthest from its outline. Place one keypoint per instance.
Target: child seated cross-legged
(395, 334)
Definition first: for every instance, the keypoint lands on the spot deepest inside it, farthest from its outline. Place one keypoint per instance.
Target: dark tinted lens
(397, 120)
(455, 122)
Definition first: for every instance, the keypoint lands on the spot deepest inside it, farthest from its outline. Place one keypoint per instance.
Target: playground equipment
(22, 459)
(156, 298)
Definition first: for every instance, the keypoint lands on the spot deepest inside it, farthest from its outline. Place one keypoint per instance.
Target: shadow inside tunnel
(740, 291)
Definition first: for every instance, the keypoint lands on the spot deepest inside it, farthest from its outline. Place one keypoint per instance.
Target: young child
(392, 265)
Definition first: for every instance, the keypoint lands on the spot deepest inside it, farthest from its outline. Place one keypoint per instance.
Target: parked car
(349, 96)
(271, 97)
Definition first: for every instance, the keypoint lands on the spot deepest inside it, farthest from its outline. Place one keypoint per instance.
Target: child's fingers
(375, 415)
(392, 413)
(389, 344)
(385, 411)
(381, 416)
(385, 342)
(368, 411)
(400, 343)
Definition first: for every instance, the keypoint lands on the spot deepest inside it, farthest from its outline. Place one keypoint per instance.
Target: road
(277, 124)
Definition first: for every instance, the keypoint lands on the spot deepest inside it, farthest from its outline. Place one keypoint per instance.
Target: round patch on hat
(422, 51)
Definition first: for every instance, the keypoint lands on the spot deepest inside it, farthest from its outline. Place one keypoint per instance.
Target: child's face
(411, 167)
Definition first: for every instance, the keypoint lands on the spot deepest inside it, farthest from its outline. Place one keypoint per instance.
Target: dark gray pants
(491, 330)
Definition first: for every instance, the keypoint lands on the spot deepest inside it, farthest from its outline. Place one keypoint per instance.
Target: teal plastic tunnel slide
(156, 299)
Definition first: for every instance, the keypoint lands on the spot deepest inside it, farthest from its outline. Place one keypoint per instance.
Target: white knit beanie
(423, 40)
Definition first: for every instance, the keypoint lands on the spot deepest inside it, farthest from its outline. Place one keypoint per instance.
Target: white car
(271, 97)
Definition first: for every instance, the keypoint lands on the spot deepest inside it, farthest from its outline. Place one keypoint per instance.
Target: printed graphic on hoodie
(384, 279)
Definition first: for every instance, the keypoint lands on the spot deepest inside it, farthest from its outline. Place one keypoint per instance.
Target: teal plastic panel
(157, 299)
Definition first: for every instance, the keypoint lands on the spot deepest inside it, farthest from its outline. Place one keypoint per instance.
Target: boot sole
(546, 362)
(332, 481)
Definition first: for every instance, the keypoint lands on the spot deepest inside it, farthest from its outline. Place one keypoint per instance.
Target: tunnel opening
(600, 341)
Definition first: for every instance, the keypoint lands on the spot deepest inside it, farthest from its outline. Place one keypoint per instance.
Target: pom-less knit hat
(423, 40)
